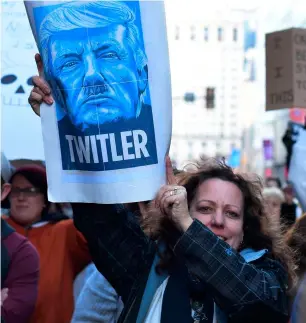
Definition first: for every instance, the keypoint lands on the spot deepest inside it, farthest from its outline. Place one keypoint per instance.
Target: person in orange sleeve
(62, 249)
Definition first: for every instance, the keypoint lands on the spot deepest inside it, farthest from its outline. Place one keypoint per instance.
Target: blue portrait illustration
(95, 62)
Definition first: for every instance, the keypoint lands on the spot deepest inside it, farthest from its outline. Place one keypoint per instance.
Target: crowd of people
(215, 245)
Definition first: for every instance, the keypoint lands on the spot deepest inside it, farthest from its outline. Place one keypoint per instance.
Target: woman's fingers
(40, 93)
(171, 180)
(167, 200)
(168, 195)
(35, 98)
(160, 194)
(41, 84)
(168, 203)
(46, 98)
(39, 64)
(38, 81)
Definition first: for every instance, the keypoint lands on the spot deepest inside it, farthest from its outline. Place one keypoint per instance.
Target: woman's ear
(5, 191)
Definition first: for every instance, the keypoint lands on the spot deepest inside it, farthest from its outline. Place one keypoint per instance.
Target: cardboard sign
(109, 130)
(286, 69)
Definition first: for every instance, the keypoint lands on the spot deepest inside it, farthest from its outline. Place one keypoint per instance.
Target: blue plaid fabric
(246, 292)
(236, 285)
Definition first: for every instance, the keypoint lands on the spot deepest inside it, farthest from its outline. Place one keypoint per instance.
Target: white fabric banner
(107, 135)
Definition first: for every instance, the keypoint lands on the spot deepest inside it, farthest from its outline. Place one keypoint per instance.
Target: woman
(273, 198)
(214, 250)
(296, 239)
(63, 251)
(214, 261)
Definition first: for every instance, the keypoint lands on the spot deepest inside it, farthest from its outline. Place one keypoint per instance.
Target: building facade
(206, 48)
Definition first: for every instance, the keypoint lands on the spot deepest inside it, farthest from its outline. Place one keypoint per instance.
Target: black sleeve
(118, 246)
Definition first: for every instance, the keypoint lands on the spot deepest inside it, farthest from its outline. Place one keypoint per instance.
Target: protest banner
(108, 132)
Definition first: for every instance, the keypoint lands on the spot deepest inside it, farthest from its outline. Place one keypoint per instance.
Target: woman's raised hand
(41, 91)
(172, 200)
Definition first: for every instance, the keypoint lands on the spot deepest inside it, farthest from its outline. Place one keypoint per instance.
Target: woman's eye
(233, 214)
(205, 209)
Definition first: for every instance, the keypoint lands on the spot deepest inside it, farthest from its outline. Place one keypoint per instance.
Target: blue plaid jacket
(246, 292)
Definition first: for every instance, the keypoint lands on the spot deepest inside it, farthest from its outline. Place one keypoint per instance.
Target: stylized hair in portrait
(124, 63)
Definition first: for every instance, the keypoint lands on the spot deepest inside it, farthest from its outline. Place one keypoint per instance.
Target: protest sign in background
(285, 69)
(21, 135)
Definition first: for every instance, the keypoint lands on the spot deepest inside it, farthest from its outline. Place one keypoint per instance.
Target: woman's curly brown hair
(257, 233)
(296, 240)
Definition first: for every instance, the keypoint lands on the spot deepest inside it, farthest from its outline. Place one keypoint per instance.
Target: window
(177, 33)
(220, 34)
(206, 34)
(235, 34)
(192, 33)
